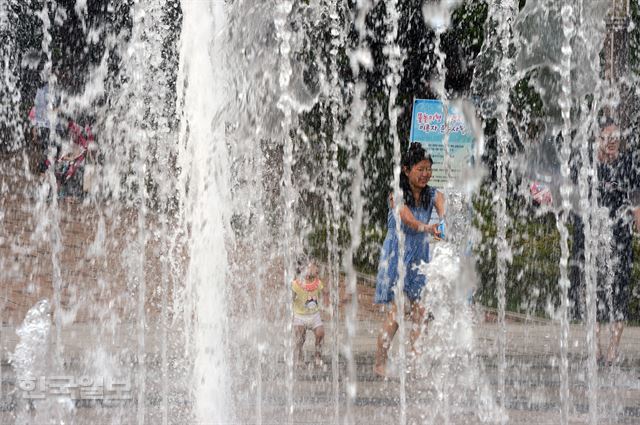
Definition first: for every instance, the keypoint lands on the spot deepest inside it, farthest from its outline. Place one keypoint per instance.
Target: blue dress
(416, 250)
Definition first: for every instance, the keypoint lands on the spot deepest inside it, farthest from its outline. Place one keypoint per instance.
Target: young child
(306, 309)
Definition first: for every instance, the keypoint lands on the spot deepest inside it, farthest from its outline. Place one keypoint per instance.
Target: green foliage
(527, 108)
(365, 259)
(634, 301)
(532, 274)
(634, 38)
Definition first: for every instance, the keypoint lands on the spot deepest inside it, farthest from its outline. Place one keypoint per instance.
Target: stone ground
(265, 389)
(93, 274)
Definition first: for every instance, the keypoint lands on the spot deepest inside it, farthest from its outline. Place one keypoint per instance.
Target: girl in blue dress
(418, 201)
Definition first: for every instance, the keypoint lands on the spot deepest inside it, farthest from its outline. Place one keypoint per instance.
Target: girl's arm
(325, 296)
(407, 218)
(439, 204)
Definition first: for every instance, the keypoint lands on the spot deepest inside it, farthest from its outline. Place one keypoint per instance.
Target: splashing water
(229, 139)
(449, 362)
(31, 357)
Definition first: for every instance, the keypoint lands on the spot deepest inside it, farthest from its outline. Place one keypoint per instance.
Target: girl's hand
(430, 228)
(436, 233)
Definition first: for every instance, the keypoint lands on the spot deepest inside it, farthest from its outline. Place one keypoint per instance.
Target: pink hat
(541, 193)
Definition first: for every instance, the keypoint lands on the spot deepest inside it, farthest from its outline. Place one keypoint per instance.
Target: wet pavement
(101, 336)
(462, 390)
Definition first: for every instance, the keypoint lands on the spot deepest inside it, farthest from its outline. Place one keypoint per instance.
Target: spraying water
(31, 357)
(450, 363)
(232, 137)
(203, 138)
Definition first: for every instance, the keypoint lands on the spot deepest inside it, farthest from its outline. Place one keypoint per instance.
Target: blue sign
(428, 127)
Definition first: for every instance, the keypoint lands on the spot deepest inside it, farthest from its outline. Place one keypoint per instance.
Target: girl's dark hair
(411, 157)
(606, 121)
(302, 262)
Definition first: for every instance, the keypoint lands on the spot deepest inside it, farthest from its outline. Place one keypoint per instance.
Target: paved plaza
(531, 379)
(482, 381)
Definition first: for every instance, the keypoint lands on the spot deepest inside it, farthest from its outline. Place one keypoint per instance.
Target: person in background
(65, 146)
(44, 132)
(540, 193)
(418, 201)
(615, 177)
(308, 290)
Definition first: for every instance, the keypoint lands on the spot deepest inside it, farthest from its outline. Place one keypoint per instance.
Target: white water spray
(201, 85)
(29, 358)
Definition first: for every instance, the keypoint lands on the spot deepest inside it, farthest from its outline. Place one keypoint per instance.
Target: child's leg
(387, 332)
(300, 334)
(599, 357)
(614, 342)
(319, 332)
(417, 324)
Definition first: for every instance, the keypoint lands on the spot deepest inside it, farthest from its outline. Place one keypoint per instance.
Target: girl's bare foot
(414, 353)
(599, 357)
(380, 371)
(412, 359)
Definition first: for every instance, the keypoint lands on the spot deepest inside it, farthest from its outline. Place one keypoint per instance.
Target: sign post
(428, 127)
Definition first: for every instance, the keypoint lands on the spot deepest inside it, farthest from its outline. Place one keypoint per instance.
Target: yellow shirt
(307, 296)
